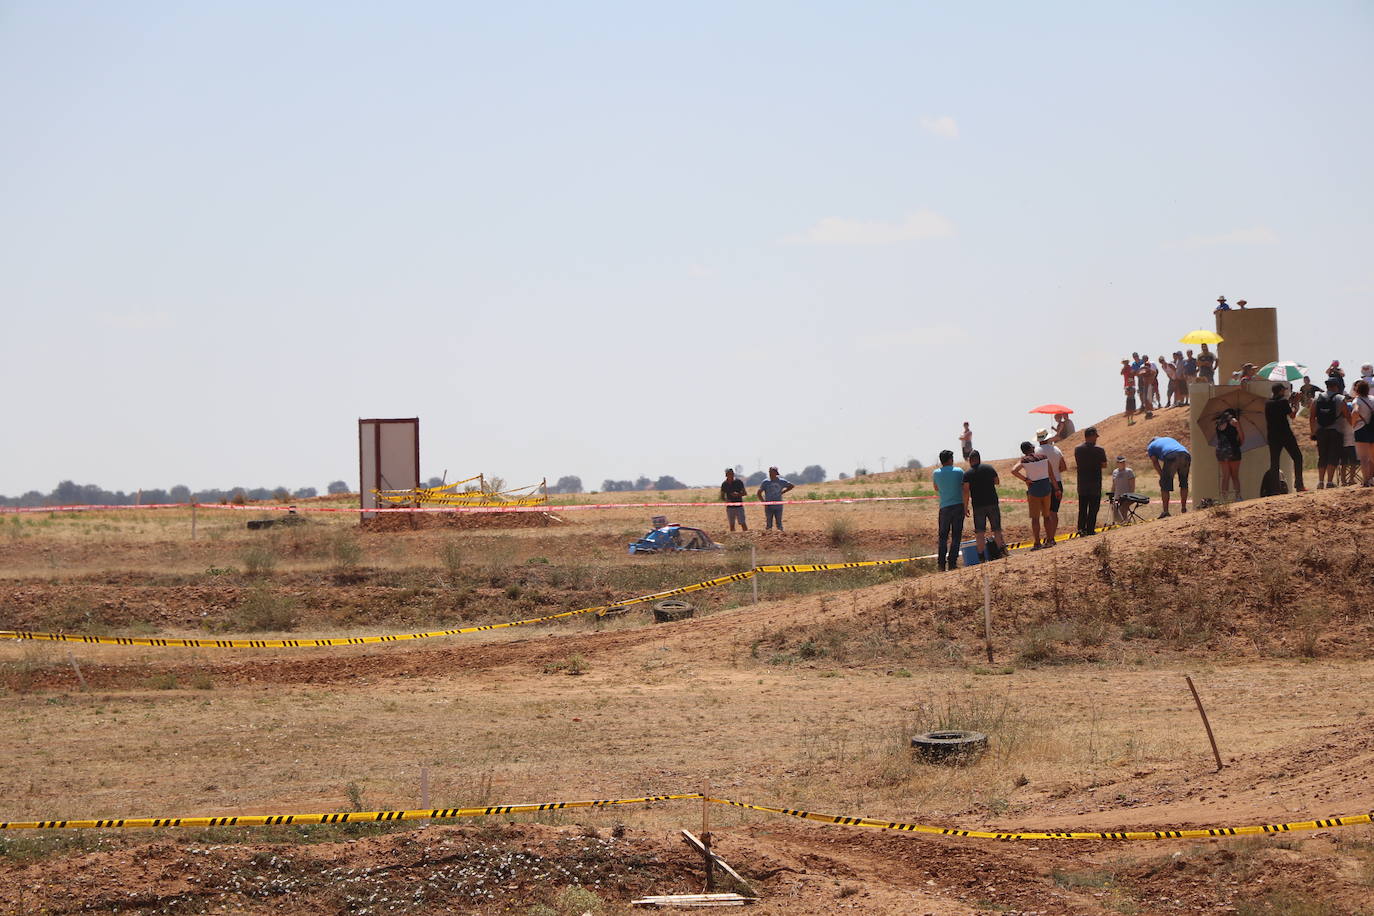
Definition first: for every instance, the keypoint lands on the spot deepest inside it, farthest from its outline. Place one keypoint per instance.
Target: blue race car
(668, 538)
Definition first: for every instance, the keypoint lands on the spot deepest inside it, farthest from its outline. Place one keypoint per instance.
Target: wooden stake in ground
(1205, 724)
(193, 521)
(753, 564)
(707, 859)
(72, 658)
(987, 609)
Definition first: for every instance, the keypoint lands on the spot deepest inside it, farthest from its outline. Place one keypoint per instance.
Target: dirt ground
(806, 700)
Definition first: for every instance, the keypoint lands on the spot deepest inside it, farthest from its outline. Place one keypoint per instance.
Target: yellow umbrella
(1201, 337)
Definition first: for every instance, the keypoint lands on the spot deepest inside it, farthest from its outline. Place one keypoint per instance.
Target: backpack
(1326, 411)
(1273, 484)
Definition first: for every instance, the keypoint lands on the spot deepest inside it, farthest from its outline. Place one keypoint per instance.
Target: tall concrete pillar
(1248, 336)
(1206, 472)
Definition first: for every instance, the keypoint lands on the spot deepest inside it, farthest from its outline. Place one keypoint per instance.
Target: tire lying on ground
(950, 746)
(672, 609)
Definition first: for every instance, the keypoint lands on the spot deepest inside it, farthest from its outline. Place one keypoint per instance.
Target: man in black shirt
(980, 490)
(1090, 459)
(732, 491)
(1277, 410)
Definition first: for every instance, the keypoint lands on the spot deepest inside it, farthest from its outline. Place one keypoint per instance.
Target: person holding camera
(1277, 412)
(1230, 437)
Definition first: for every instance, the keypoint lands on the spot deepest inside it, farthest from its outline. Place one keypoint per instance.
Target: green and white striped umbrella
(1286, 371)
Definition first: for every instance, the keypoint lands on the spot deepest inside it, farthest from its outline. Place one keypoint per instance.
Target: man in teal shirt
(949, 483)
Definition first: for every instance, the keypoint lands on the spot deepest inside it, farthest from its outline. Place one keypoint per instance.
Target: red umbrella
(1050, 409)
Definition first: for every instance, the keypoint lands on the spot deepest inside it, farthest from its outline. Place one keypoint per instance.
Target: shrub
(264, 609)
(260, 560)
(346, 551)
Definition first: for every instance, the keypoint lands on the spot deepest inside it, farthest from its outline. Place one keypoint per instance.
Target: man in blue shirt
(949, 483)
(771, 491)
(1169, 458)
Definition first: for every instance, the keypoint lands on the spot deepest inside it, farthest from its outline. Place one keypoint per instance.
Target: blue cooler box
(970, 551)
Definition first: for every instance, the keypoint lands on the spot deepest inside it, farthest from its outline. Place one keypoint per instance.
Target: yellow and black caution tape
(157, 641)
(599, 610)
(360, 817)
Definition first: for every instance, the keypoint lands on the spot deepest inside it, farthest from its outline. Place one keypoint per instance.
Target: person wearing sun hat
(1123, 482)
(1221, 305)
(1058, 466)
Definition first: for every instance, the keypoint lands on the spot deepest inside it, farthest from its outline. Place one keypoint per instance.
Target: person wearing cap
(1171, 460)
(1033, 469)
(1123, 482)
(1279, 434)
(1221, 305)
(1324, 422)
(1089, 458)
(1057, 468)
(949, 484)
(1367, 373)
(1335, 371)
(771, 492)
(732, 492)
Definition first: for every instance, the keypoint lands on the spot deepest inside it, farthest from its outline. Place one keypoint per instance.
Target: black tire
(950, 746)
(672, 609)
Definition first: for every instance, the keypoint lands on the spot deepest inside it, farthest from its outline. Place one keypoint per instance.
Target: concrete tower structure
(1248, 336)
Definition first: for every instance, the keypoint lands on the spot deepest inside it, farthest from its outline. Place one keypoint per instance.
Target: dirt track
(804, 701)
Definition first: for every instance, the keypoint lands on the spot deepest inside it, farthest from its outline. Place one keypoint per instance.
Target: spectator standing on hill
(1222, 306)
(1033, 469)
(966, 441)
(732, 491)
(1123, 482)
(1335, 371)
(1279, 433)
(1130, 403)
(1180, 380)
(1308, 392)
(1230, 437)
(1324, 422)
(771, 490)
(1362, 416)
(1367, 374)
(1166, 369)
(1148, 373)
(1090, 459)
(949, 483)
(1189, 373)
(1057, 468)
(1170, 459)
(1206, 364)
(980, 485)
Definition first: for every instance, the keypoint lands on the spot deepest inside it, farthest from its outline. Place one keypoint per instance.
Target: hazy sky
(622, 239)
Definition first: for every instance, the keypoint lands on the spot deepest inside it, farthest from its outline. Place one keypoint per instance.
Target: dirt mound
(460, 521)
(1282, 576)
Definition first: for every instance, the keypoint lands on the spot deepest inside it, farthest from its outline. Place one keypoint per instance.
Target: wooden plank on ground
(725, 866)
(693, 900)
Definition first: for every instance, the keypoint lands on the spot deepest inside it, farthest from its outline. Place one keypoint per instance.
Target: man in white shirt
(1123, 482)
(1047, 449)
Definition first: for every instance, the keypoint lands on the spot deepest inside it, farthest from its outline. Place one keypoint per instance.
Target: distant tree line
(812, 473)
(69, 493)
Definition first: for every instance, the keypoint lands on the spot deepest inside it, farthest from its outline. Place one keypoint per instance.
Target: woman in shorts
(1362, 418)
(1230, 437)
